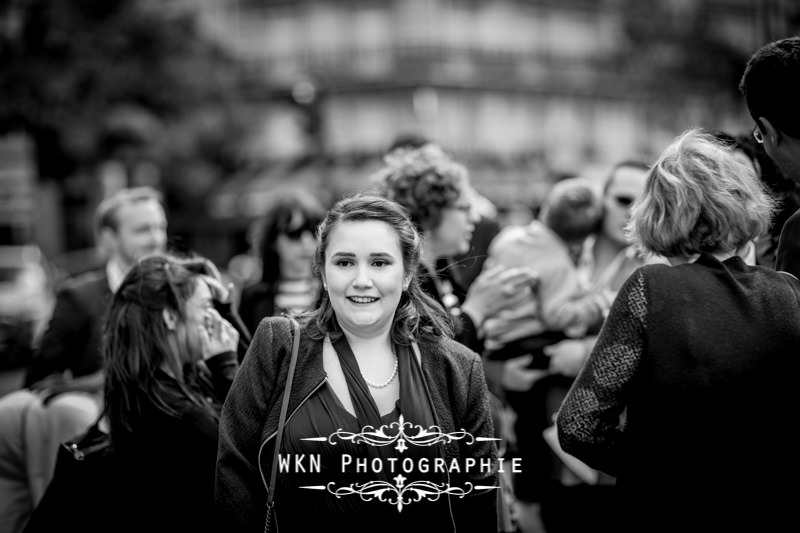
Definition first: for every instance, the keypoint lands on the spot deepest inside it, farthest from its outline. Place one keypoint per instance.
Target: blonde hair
(106, 212)
(699, 198)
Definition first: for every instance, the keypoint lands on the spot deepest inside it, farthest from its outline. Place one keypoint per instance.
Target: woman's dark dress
(299, 509)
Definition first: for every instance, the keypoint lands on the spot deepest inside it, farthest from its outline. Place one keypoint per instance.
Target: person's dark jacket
(256, 302)
(73, 336)
(162, 479)
(788, 255)
(464, 329)
(170, 464)
(249, 421)
(702, 359)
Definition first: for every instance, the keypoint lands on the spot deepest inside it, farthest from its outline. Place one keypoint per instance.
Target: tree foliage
(81, 76)
(674, 45)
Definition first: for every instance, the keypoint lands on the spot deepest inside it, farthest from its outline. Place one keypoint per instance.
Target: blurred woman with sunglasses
(607, 257)
(285, 242)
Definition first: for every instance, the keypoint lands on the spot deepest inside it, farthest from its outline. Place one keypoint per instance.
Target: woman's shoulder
(276, 325)
(793, 222)
(450, 352)
(661, 280)
(270, 349)
(271, 333)
(702, 271)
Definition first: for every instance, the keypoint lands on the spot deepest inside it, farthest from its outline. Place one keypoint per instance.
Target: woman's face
(295, 247)
(195, 316)
(365, 276)
(453, 234)
(626, 186)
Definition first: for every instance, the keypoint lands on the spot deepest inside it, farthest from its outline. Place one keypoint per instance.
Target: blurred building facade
(521, 91)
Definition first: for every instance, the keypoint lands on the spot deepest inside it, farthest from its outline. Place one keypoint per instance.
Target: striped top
(295, 295)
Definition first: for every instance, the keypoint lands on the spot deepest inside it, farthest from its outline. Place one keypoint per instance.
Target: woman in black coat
(689, 393)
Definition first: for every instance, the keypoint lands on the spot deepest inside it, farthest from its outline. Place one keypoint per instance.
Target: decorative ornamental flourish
(399, 494)
(379, 437)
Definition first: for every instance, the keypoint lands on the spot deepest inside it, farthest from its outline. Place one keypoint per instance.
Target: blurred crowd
(592, 336)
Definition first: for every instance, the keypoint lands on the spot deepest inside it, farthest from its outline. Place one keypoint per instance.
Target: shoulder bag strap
(282, 422)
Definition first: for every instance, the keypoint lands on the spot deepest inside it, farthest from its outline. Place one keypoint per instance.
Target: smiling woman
(374, 359)
(364, 275)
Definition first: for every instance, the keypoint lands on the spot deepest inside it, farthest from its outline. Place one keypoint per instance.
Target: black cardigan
(704, 360)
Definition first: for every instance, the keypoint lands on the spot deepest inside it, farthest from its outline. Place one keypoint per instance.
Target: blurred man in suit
(64, 382)
(129, 224)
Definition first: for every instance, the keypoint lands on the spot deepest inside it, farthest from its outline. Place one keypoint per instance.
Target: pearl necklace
(385, 383)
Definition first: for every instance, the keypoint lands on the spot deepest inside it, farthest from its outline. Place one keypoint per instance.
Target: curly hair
(425, 181)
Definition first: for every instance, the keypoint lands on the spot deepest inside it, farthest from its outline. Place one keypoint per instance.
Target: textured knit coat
(701, 362)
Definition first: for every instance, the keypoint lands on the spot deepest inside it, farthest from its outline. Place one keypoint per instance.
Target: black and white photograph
(491, 266)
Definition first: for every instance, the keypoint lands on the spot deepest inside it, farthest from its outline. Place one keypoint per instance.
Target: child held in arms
(549, 245)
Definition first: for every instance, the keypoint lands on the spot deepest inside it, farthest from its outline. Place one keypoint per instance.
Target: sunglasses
(624, 201)
(297, 233)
